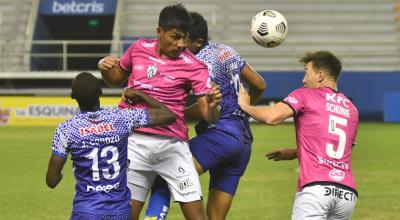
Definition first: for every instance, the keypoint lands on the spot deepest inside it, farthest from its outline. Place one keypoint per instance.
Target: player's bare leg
(193, 210)
(218, 204)
(136, 209)
(199, 168)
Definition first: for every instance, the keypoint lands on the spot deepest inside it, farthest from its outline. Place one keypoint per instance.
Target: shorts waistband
(338, 185)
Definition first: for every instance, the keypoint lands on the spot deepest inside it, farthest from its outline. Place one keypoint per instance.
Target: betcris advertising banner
(77, 7)
(27, 111)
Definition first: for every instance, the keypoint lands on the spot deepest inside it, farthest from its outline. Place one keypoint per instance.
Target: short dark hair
(175, 16)
(86, 89)
(324, 60)
(199, 27)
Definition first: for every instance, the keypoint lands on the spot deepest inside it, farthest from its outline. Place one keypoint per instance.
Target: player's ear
(159, 31)
(200, 42)
(321, 76)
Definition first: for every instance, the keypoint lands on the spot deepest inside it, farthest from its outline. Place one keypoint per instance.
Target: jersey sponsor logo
(145, 86)
(157, 60)
(337, 164)
(185, 59)
(224, 55)
(185, 184)
(138, 67)
(337, 99)
(151, 71)
(339, 193)
(102, 188)
(147, 45)
(291, 100)
(167, 77)
(233, 66)
(337, 175)
(102, 128)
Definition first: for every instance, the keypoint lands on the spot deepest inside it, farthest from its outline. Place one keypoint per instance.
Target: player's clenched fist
(214, 97)
(111, 72)
(107, 63)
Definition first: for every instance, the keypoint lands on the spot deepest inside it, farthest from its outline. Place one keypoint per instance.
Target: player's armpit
(256, 83)
(54, 170)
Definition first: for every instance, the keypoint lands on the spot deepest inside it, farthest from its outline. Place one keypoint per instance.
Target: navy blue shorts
(225, 156)
(94, 216)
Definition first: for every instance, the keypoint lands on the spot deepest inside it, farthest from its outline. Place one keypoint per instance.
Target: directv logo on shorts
(77, 8)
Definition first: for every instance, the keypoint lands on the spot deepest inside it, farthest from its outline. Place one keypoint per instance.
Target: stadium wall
(366, 89)
(376, 94)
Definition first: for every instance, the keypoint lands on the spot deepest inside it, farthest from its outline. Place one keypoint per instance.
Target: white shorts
(151, 155)
(322, 202)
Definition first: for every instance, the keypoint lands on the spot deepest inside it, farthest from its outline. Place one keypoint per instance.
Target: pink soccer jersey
(326, 126)
(166, 80)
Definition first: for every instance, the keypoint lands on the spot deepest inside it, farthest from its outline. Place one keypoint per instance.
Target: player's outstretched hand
(214, 97)
(282, 154)
(244, 97)
(107, 63)
(132, 95)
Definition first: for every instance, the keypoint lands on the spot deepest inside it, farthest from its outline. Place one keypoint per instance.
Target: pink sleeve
(126, 62)
(296, 100)
(200, 81)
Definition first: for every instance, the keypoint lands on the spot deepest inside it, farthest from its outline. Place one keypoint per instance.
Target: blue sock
(159, 200)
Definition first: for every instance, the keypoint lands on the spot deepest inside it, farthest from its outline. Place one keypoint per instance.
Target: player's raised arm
(159, 114)
(268, 115)
(255, 81)
(54, 170)
(111, 71)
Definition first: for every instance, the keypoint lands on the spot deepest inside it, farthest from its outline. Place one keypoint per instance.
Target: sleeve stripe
(59, 154)
(123, 68)
(294, 111)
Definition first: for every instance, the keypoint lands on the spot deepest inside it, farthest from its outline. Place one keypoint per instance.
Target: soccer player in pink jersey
(166, 71)
(326, 124)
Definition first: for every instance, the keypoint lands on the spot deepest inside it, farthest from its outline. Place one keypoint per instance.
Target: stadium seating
(363, 32)
(15, 16)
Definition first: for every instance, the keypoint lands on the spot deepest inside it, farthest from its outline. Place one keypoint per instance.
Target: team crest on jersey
(151, 71)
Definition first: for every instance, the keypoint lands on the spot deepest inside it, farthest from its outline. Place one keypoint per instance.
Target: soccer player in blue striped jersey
(96, 140)
(222, 148)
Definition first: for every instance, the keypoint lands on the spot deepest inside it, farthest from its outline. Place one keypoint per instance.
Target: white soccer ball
(268, 28)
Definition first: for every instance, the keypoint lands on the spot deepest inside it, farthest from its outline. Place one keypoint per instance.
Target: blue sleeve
(135, 118)
(60, 143)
